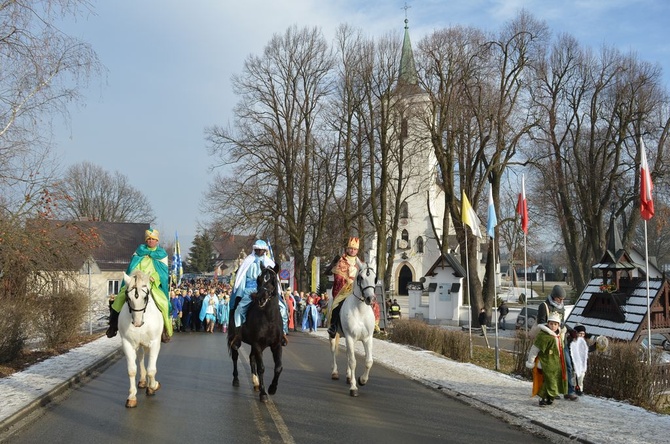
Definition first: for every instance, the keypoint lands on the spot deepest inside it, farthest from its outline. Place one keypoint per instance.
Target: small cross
(406, 7)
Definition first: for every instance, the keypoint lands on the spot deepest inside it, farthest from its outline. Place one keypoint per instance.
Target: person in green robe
(152, 260)
(546, 359)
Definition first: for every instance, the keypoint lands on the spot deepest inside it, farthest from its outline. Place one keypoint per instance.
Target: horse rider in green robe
(151, 259)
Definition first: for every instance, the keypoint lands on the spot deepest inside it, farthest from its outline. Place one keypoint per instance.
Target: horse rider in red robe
(345, 270)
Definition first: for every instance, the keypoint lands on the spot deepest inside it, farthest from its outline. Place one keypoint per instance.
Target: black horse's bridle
(268, 278)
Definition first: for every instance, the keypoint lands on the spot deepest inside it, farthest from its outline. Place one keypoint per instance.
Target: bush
(522, 345)
(60, 317)
(13, 322)
(452, 344)
(623, 373)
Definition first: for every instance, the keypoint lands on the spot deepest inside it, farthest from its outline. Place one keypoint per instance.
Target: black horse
(263, 328)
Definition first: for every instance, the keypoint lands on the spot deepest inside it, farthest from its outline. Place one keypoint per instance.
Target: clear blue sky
(170, 62)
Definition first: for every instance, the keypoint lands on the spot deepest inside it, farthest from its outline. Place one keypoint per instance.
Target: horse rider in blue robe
(246, 284)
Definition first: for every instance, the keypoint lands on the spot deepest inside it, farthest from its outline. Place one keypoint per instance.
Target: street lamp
(90, 299)
(90, 268)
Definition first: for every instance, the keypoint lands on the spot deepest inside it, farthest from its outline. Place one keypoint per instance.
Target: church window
(403, 210)
(405, 235)
(404, 128)
(419, 244)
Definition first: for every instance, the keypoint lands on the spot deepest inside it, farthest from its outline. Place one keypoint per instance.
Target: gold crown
(354, 242)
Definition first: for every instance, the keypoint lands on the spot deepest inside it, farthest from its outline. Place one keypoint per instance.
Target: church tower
(421, 196)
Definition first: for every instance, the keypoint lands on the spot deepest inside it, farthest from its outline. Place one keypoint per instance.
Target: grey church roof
(447, 260)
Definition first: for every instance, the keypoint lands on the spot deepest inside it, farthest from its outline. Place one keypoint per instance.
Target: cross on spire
(406, 7)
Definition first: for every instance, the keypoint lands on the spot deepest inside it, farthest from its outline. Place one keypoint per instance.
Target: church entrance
(404, 278)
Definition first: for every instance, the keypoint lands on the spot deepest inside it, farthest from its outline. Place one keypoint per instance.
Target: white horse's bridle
(359, 282)
(146, 301)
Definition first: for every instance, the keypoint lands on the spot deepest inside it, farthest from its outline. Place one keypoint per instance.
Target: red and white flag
(646, 202)
(522, 206)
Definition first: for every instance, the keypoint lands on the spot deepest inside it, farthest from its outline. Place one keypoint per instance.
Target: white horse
(357, 323)
(140, 327)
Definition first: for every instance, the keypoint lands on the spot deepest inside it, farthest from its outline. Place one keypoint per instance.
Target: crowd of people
(200, 305)
(205, 305)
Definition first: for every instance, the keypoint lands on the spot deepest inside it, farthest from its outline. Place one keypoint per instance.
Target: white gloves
(532, 354)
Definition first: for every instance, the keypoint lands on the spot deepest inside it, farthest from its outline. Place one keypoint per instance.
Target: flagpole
(646, 264)
(525, 277)
(495, 303)
(467, 273)
(469, 218)
(491, 231)
(647, 212)
(522, 209)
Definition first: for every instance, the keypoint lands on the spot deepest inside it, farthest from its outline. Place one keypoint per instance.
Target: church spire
(407, 77)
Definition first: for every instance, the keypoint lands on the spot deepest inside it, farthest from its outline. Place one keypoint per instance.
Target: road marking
(282, 429)
(284, 432)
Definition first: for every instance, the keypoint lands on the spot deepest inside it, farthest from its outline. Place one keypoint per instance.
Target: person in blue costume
(223, 314)
(152, 260)
(210, 305)
(245, 284)
(309, 319)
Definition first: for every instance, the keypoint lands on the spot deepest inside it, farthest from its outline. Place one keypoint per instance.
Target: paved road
(198, 404)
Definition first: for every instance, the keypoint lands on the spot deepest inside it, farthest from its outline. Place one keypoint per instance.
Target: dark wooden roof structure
(616, 304)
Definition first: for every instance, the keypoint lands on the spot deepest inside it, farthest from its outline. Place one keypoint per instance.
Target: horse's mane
(140, 277)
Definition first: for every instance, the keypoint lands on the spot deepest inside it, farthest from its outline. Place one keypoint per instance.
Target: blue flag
(272, 255)
(493, 220)
(177, 268)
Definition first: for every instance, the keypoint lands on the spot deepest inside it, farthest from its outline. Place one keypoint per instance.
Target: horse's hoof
(264, 397)
(335, 376)
(361, 382)
(131, 403)
(142, 384)
(236, 382)
(151, 392)
(273, 389)
(353, 393)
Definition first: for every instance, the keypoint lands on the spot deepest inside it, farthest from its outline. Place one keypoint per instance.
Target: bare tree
(276, 148)
(480, 117)
(42, 71)
(594, 109)
(90, 192)
(364, 123)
